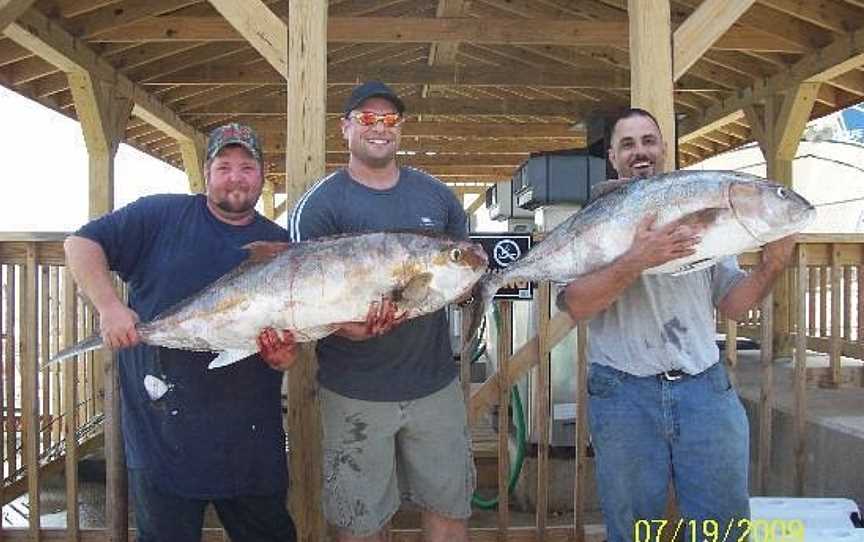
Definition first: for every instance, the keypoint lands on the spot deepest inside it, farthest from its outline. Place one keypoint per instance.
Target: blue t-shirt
(415, 359)
(200, 433)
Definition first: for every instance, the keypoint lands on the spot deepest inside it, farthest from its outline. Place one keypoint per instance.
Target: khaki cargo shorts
(379, 454)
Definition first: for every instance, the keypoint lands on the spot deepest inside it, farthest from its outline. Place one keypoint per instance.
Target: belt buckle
(669, 377)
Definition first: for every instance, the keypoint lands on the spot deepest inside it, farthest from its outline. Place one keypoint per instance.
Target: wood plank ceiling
(486, 81)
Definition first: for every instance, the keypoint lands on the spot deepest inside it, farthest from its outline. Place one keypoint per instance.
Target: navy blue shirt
(415, 359)
(200, 433)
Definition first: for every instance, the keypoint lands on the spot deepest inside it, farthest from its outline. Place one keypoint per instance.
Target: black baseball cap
(373, 89)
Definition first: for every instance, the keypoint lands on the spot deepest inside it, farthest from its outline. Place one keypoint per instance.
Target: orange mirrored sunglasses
(370, 118)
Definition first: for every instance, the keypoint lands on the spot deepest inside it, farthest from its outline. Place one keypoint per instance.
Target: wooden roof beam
(843, 55)
(427, 30)
(266, 32)
(702, 29)
(275, 142)
(233, 74)
(482, 130)
(444, 53)
(836, 16)
(10, 10)
(274, 105)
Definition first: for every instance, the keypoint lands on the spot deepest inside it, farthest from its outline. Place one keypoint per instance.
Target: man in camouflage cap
(192, 436)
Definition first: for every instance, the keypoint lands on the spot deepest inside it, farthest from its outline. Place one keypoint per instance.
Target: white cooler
(825, 520)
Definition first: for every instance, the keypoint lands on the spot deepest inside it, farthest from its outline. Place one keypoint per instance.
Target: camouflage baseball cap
(234, 134)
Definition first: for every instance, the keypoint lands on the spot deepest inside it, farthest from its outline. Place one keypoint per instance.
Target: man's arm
(756, 285)
(87, 261)
(596, 291)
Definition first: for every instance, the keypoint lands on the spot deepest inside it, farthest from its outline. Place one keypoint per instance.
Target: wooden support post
(56, 327)
(103, 114)
(778, 126)
(268, 200)
(504, 350)
(9, 369)
(731, 350)
(11, 10)
(651, 83)
(192, 151)
(800, 382)
(29, 385)
(766, 401)
(836, 341)
(541, 409)
(44, 355)
(581, 474)
(860, 287)
(305, 162)
(4, 413)
(70, 410)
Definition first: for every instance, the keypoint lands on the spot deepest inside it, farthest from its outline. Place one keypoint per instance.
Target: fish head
(767, 210)
(443, 271)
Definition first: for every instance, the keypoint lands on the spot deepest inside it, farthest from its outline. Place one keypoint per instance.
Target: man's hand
(117, 327)
(776, 254)
(279, 353)
(264, 251)
(380, 319)
(652, 247)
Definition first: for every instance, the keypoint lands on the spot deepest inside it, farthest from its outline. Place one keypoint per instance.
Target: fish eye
(455, 255)
(782, 192)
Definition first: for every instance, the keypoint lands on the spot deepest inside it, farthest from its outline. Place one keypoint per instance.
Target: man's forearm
(749, 291)
(596, 291)
(88, 264)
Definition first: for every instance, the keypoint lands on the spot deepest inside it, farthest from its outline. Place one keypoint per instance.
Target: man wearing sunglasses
(393, 416)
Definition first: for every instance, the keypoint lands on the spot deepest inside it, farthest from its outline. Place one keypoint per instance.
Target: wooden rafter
(266, 32)
(840, 57)
(428, 30)
(702, 29)
(274, 104)
(11, 10)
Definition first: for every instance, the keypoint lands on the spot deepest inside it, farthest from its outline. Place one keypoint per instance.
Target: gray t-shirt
(663, 322)
(415, 359)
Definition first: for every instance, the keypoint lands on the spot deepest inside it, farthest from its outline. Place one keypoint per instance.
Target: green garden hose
(518, 420)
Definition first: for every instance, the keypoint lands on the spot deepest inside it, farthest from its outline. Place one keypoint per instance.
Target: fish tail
(91, 343)
(482, 293)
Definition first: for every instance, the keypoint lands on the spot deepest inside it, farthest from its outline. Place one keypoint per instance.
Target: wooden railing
(49, 413)
(827, 302)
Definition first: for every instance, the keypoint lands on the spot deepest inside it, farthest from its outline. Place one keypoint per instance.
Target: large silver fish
(738, 212)
(311, 288)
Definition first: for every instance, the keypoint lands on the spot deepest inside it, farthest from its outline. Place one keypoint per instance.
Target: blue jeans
(647, 431)
(164, 517)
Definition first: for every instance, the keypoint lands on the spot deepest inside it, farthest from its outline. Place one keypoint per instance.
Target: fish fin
(693, 266)
(416, 290)
(483, 293)
(91, 343)
(602, 188)
(227, 357)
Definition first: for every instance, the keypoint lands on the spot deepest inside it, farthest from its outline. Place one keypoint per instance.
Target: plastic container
(824, 520)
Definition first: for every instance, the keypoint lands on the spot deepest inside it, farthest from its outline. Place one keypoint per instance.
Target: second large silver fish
(737, 211)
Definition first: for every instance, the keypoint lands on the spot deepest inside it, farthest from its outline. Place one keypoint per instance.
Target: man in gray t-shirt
(660, 405)
(393, 414)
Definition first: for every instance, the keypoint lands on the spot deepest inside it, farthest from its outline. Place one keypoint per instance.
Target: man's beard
(226, 206)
